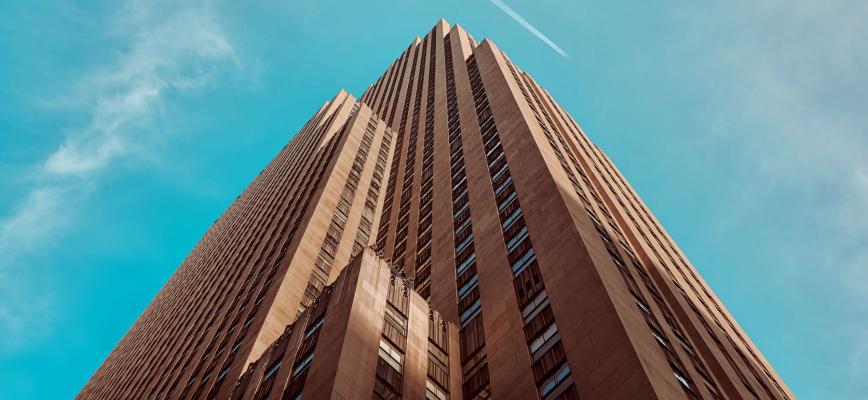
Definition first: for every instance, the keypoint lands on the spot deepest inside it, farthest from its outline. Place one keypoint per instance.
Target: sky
(127, 127)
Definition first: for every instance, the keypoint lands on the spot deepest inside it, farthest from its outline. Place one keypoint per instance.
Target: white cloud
(163, 50)
(23, 316)
(177, 52)
(40, 214)
(794, 102)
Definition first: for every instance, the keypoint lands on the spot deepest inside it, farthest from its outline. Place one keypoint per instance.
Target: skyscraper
(458, 171)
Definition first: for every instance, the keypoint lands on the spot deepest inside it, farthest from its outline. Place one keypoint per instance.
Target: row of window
(393, 341)
(678, 368)
(305, 354)
(422, 268)
(223, 302)
(549, 363)
(274, 358)
(373, 96)
(363, 234)
(702, 293)
(253, 285)
(400, 247)
(262, 385)
(472, 338)
(388, 90)
(322, 266)
(386, 215)
(438, 358)
(397, 89)
(699, 366)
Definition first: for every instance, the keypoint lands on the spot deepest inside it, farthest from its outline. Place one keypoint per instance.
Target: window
(271, 370)
(390, 355)
(537, 343)
(236, 346)
(463, 245)
(528, 311)
(682, 380)
(433, 392)
(471, 311)
(223, 374)
(659, 339)
(506, 202)
(467, 262)
(502, 170)
(472, 283)
(527, 284)
(460, 229)
(515, 240)
(524, 261)
(459, 185)
(302, 365)
(506, 183)
(220, 350)
(511, 218)
(562, 373)
(459, 213)
(397, 321)
(549, 364)
(313, 328)
(641, 305)
(466, 276)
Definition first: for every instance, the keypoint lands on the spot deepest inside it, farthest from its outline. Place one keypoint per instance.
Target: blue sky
(127, 127)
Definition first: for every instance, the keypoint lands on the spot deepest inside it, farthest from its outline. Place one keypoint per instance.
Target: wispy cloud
(37, 217)
(161, 53)
(523, 22)
(796, 99)
(23, 315)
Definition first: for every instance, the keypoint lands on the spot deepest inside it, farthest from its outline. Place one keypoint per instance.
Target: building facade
(367, 335)
(551, 277)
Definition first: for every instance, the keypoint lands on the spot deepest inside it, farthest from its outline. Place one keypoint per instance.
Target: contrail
(529, 27)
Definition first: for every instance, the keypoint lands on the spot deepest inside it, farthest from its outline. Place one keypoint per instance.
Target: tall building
(543, 274)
